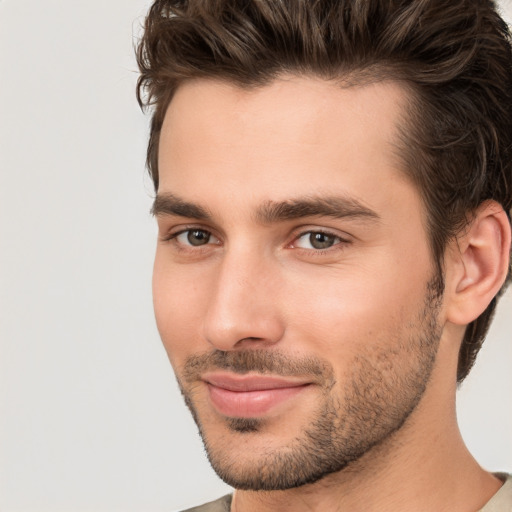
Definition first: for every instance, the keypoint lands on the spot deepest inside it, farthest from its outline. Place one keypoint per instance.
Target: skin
(354, 318)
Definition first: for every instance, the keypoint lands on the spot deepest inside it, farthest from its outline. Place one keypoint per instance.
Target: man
(334, 186)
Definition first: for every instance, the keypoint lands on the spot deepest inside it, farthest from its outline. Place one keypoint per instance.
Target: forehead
(290, 137)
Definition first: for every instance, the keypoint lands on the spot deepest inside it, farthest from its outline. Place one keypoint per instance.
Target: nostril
(253, 342)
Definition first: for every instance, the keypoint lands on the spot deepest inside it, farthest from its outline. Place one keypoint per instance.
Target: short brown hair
(454, 55)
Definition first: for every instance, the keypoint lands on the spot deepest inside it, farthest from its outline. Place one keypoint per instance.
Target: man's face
(293, 284)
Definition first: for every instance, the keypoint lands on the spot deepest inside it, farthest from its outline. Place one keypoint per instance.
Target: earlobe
(479, 263)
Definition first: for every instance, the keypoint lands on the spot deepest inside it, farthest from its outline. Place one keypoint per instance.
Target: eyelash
(338, 241)
(172, 237)
(339, 244)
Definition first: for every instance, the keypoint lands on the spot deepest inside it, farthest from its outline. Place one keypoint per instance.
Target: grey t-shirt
(221, 505)
(500, 502)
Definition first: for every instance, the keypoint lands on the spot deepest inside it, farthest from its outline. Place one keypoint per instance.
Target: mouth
(250, 396)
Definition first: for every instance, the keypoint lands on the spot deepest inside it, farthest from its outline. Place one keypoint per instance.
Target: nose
(244, 309)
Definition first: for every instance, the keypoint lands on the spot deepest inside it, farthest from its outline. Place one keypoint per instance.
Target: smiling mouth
(250, 396)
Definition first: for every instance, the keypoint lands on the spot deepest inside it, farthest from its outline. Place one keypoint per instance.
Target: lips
(250, 396)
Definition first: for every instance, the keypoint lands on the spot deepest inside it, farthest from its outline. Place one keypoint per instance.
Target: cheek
(349, 311)
(179, 301)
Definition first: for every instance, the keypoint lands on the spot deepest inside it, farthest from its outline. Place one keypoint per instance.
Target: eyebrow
(331, 206)
(169, 204)
(273, 211)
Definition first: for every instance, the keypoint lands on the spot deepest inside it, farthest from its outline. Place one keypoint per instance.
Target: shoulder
(221, 505)
(502, 500)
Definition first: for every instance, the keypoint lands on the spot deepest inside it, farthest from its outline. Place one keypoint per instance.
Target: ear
(477, 264)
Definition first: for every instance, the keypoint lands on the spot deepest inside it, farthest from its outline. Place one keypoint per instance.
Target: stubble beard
(383, 388)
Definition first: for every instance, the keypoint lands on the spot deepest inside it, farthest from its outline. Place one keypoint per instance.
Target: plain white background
(90, 417)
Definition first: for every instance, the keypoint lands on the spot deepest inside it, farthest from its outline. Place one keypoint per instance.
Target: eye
(317, 240)
(195, 237)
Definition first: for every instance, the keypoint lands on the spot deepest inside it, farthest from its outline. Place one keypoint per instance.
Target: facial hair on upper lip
(259, 361)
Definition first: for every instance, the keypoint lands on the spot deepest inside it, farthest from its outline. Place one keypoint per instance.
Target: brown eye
(321, 240)
(317, 240)
(192, 238)
(197, 237)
